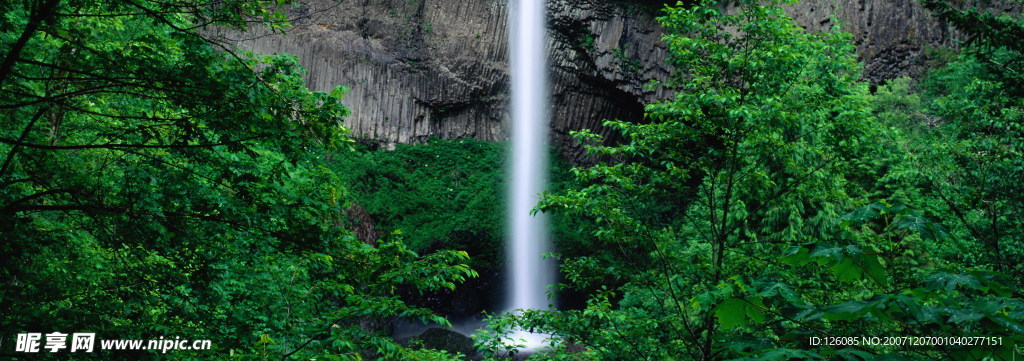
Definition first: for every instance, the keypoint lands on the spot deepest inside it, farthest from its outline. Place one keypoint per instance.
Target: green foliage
(155, 185)
(773, 199)
(741, 161)
(588, 42)
(446, 194)
(978, 161)
(995, 41)
(627, 64)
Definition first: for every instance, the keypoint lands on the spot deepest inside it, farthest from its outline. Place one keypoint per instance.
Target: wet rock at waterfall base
(444, 339)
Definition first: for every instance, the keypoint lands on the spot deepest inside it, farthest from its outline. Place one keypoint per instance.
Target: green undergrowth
(445, 194)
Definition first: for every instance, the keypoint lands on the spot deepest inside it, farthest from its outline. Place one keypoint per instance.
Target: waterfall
(528, 235)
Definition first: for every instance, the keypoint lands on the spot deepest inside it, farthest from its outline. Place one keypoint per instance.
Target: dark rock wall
(602, 56)
(892, 36)
(423, 68)
(415, 68)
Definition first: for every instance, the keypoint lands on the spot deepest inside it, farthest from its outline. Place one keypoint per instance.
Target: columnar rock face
(892, 36)
(429, 68)
(438, 68)
(415, 68)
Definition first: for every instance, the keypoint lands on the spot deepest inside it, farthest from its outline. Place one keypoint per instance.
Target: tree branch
(124, 146)
(21, 138)
(45, 11)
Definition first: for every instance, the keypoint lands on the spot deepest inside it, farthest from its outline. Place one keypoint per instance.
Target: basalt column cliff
(438, 68)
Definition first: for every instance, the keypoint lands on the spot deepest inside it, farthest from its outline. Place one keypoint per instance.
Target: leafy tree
(742, 162)
(156, 183)
(995, 41)
(445, 194)
(448, 193)
(978, 100)
(764, 205)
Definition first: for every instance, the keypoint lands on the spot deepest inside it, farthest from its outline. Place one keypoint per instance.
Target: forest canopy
(776, 201)
(157, 183)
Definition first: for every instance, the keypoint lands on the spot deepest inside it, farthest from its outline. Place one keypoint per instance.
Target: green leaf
(874, 270)
(927, 229)
(851, 354)
(782, 290)
(731, 313)
(847, 311)
(892, 357)
(755, 310)
(951, 281)
(960, 316)
(846, 271)
(863, 214)
(796, 256)
(789, 354)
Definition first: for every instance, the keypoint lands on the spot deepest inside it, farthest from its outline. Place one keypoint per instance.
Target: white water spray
(528, 235)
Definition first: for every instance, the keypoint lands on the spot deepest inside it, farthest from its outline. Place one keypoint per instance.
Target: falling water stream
(528, 234)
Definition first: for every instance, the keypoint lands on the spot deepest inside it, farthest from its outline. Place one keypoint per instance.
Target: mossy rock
(445, 339)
